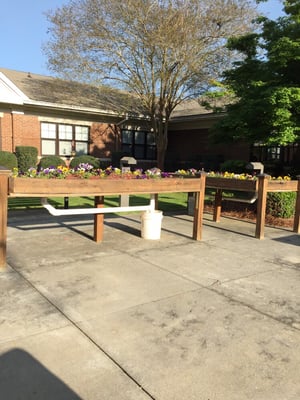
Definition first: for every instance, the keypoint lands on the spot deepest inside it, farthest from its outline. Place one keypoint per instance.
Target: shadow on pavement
(23, 377)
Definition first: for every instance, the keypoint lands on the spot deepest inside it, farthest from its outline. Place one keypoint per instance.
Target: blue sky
(23, 30)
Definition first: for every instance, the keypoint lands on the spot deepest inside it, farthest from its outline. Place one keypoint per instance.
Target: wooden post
(156, 201)
(98, 220)
(297, 209)
(261, 205)
(199, 208)
(4, 174)
(217, 205)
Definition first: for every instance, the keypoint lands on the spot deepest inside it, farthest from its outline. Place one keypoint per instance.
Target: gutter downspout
(12, 132)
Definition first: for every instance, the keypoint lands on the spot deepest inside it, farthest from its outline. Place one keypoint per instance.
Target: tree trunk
(161, 143)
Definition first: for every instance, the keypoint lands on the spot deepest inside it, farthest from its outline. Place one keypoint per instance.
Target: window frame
(137, 147)
(61, 136)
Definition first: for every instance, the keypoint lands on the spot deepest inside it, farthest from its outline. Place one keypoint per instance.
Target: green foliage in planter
(27, 157)
(85, 159)
(281, 204)
(51, 161)
(236, 166)
(8, 160)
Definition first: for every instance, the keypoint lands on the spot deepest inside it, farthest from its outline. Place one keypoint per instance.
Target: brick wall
(19, 130)
(104, 140)
(6, 132)
(192, 149)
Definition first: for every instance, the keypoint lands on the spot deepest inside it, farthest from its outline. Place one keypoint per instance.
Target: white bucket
(151, 224)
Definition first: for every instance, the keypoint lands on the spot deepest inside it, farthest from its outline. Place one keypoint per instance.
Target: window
(267, 153)
(139, 144)
(62, 139)
(274, 153)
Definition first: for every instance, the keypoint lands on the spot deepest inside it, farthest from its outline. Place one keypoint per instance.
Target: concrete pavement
(135, 319)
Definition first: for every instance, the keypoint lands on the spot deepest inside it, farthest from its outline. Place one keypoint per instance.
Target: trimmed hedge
(85, 159)
(281, 204)
(50, 161)
(236, 166)
(27, 157)
(8, 160)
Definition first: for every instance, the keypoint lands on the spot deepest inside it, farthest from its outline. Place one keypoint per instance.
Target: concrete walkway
(128, 318)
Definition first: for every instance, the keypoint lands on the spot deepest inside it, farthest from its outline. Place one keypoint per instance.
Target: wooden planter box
(231, 184)
(35, 187)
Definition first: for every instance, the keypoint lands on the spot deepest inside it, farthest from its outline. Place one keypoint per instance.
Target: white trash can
(151, 224)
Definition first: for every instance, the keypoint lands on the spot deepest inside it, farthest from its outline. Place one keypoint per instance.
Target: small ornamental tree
(266, 83)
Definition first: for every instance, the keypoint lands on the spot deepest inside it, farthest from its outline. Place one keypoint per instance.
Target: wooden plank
(22, 187)
(231, 184)
(282, 186)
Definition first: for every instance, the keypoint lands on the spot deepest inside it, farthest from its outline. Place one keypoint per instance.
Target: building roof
(39, 90)
(45, 89)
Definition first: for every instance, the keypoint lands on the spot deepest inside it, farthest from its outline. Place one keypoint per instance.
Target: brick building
(61, 117)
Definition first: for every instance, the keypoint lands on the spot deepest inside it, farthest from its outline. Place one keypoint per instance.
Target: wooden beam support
(98, 220)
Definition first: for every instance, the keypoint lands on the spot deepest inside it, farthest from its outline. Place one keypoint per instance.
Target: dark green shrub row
(281, 204)
(85, 159)
(55, 161)
(27, 157)
(236, 166)
(8, 160)
(51, 161)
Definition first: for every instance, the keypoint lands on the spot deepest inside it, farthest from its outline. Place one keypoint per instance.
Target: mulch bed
(248, 213)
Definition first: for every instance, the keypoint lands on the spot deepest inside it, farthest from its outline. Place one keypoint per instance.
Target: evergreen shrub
(281, 204)
(236, 166)
(27, 157)
(85, 159)
(8, 160)
(50, 161)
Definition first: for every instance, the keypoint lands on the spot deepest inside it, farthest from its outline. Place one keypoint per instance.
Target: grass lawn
(166, 202)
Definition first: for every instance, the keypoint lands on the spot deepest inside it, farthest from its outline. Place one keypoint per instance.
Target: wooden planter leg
(261, 205)
(217, 205)
(297, 210)
(4, 174)
(98, 220)
(199, 209)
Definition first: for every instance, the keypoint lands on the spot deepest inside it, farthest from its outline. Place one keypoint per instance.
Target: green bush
(51, 161)
(236, 166)
(281, 204)
(27, 157)
(8, 160)
(85, 159)
(116, 158)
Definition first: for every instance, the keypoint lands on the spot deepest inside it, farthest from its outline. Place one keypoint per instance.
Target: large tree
(266, 83)
(162, 51)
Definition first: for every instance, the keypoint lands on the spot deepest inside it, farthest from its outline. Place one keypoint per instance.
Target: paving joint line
(211, 287)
